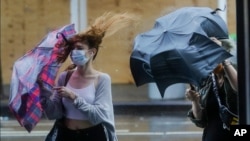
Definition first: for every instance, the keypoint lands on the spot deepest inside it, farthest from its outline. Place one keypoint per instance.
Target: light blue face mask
(79, 57)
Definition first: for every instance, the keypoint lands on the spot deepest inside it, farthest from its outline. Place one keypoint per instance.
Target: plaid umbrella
(39, 63)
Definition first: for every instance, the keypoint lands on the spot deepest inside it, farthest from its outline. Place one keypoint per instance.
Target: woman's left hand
(192, 95)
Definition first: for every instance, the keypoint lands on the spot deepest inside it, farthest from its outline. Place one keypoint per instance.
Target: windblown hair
(103, 26)
(219, 69)
(109, 23)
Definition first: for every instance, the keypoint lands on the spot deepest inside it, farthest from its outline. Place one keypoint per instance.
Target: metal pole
(222, 4)
(78, 10)
(243, 53)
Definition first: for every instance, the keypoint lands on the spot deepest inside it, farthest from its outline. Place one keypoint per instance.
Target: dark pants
(95, 133)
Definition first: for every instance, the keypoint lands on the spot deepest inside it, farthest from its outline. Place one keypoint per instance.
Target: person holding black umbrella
(82, 100)
(215, 103)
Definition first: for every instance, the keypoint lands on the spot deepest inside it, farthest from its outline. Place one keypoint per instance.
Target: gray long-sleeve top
(101, 111)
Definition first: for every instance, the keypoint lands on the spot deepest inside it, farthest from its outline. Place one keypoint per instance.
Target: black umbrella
(178, 49)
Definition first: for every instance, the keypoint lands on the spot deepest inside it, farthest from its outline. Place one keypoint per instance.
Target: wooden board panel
(114, 57)
(23, 25)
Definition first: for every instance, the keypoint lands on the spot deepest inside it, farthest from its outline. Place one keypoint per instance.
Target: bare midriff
(75, 124)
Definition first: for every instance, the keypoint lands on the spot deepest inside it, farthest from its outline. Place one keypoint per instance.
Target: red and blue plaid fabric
(24, 101)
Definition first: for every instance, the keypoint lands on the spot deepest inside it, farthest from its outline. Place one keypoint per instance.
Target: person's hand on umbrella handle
(65, 92)
(192, 95)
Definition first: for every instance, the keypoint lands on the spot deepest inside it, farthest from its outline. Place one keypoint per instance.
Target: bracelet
(226, 63)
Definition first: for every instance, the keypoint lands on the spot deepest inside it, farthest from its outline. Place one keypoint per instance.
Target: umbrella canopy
(178, 49)
(39, 63)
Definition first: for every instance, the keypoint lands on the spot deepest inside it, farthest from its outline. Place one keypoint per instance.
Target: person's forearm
(197, 111)
(231, 74)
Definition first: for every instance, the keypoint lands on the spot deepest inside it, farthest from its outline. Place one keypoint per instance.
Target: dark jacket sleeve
(198, 122)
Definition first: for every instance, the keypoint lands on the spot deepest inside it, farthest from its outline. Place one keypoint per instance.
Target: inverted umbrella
(178, 49)
(43, 63)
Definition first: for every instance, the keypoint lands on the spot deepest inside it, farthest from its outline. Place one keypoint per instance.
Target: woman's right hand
(65, 92)
(192, 95)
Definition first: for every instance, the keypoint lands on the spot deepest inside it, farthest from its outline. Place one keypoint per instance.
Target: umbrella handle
(64, 38)
(192, 87)
(218, 9)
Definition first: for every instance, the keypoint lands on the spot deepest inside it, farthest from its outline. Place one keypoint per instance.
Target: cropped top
(101, 111)
(87, 93)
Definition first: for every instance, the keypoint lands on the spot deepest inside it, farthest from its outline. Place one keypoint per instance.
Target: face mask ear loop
(92, 53)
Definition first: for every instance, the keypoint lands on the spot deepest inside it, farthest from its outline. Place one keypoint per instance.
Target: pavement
(136, 120)
(129, 127)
